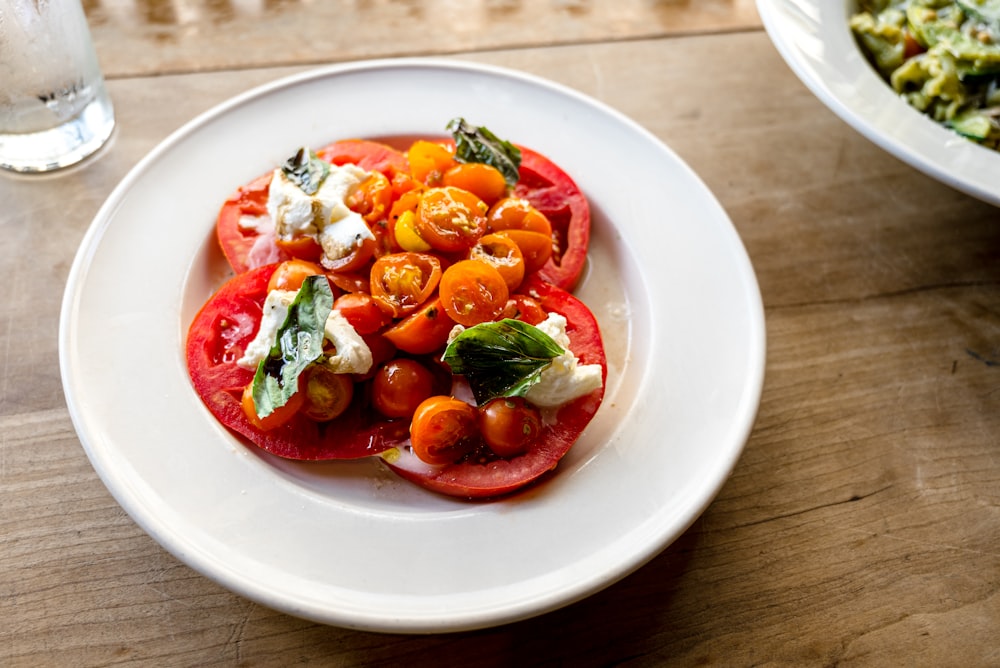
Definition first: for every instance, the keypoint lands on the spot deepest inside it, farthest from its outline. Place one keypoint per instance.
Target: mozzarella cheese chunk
(565, 379)
(273, 317)
(324, 216)
(352, 353)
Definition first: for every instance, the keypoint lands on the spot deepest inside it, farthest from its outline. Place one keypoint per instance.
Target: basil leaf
(306, 170)
(474, 144)
(501, 359)
(298, 343)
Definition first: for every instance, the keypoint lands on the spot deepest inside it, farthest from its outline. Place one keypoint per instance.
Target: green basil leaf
(474, 144)
(501, 359)
(306, 170)
(298, 343)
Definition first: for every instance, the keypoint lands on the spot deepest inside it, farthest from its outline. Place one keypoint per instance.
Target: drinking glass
(54, 108)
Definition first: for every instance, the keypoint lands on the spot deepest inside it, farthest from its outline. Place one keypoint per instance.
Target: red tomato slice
(491, 477)
(554, 193)
(246, 247)
(219, 334)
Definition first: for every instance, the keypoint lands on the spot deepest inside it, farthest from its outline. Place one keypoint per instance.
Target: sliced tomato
(217, 338)
(370, 155)
(484, 475)
(555, 194)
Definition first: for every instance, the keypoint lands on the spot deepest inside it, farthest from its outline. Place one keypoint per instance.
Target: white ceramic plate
(815, 40)
(349, 543)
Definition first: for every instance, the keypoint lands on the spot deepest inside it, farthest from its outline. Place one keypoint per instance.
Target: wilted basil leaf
(299, 342)
(501, 359)
(474, 144)
(306, 170)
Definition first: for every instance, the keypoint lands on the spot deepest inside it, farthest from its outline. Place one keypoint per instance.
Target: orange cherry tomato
(362, 312)
(372, 198)
(326, 394)
(450, 219)
(524, 308)
(303, 247)
(277, 417)
(443, 430)
(429, 161)
(516, 213)
(484, 181)
(536, 248)
(355, 259)
(503, 254)
(473, 292)
(422, 332)
(290, 274)
(401, 282)
(399, 386)
(509, 425)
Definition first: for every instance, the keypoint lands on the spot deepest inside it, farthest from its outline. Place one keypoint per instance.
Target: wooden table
(860, 527)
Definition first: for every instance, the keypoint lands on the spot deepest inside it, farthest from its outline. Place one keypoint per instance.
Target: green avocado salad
(941, 56)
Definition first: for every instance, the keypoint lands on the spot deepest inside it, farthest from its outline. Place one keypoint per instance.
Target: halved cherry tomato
(355, 259)
(290, 274)
(509, 425)
(302, 247)
(443, 429)
(484, 181)
(450, 219)
(524, 308)
(351, 281)
(401, 282)
(400, 385)
(504, 255)
(362, 312)
(422, 332)
(372, 198)
(516, 213)
(326, 394)
(473, 292)
(429, 161)
(536, 248)
(275, 418)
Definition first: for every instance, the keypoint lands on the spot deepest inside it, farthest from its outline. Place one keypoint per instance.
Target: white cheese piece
(352, 353)
(273, 317)
(565, 379)
(324, 216)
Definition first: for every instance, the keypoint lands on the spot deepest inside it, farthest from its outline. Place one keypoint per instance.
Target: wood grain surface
(861, 525)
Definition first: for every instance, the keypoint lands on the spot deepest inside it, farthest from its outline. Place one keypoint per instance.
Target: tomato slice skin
(555, 194)
(473, 479)
(217, 338)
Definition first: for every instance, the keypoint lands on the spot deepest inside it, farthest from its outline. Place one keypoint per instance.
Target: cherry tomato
(484, 181)
(351, 281)
(326, 394)
(450, 219)
(355, 259)
(275, 418)
(524, 308)
(443, 429)
(503, 254)
(517, 213)
(302, 247)
(362, 312)
(509, 425)
(429, 161)
(401, 385)
(473, 292)
(422, 332)
(372, 198)
(536, 248)
(401, 282)
(290, 274)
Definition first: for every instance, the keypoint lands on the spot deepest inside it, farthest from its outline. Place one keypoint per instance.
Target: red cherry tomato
(362, 312)
(422, 332)
(509, 425)
(401, 385)
(443, 430)
(473, 292)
